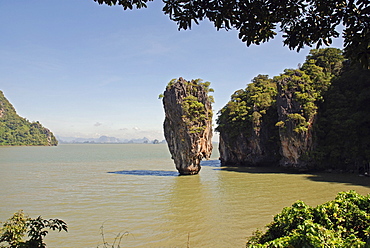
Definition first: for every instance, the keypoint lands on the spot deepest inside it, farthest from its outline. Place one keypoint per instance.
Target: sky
(87, 70)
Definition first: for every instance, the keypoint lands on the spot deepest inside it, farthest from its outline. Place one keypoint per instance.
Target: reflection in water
(198, 208)
(189, 212)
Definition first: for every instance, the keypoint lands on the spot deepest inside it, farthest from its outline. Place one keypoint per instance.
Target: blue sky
(86, 70)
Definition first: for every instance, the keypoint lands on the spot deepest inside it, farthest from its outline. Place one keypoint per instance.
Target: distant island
(107, 140)
(18, 131)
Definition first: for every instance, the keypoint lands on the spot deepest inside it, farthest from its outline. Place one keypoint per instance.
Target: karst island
(188, 123)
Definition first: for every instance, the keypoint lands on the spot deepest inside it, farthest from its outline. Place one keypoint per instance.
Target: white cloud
(97, 124)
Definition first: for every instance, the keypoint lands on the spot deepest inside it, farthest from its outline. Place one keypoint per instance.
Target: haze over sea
(135, 188)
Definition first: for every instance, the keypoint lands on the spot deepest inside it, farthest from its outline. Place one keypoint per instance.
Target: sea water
(133, 192)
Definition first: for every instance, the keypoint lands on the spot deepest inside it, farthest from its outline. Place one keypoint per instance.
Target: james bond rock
(188, 123)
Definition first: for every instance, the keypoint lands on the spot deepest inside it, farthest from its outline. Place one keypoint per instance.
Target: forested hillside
(313, 117)
(18, 131)
(343, 125)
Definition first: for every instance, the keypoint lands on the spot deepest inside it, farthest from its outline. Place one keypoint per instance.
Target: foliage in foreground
(20, 225)
(343, 222)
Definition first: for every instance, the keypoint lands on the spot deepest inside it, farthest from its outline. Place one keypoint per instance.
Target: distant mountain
(18, 131)
(107, 140)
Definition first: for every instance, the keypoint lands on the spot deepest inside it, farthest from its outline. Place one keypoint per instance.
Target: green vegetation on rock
(343, 222)
(309, 84)
(324, 118)
(195, 113)
(343, 124)
(248, 135)
(188, 123)
(18, 131)
(248, 105)
(300, 85)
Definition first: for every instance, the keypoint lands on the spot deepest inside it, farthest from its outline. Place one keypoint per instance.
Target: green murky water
(135, 189)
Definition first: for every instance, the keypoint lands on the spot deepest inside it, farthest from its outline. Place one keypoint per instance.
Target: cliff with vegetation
(316, 116)
(343, 125)
(188, 123)
(248, 135)
(296, 105)
(18, 131)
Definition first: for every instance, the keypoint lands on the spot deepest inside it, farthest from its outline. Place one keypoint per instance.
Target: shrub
(20, 225)
(343, 222)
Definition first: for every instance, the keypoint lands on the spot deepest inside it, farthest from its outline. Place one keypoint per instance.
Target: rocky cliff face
(188, 123)
(296, 132)
(323, 117)
(248, 135)
(253, 146)
(267, 118)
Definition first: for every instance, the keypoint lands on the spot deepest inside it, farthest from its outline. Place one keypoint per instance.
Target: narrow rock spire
(188, 123)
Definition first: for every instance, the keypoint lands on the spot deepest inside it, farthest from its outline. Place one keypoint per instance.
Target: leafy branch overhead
(302, 23)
